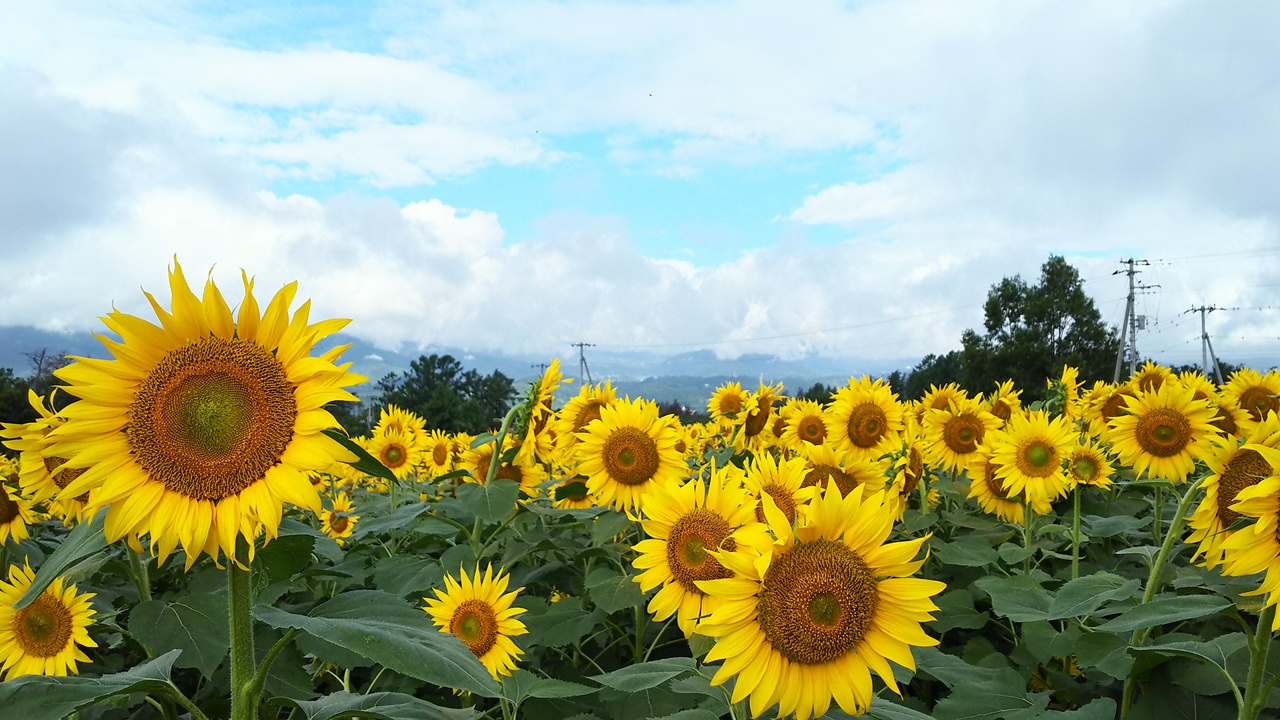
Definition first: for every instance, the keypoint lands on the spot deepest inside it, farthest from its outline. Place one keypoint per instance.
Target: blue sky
(829, 178)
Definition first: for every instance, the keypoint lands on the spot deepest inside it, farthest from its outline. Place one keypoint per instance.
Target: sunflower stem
(1075, 534)
(138, 571)
(1026, 536)
(495, 461)
(244, 702)
(1159, 507)
(1153, 580)
(1255, 694)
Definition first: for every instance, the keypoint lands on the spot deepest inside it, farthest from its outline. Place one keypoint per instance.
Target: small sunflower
(538, 443)
(1150, 377)
(578, 412)
(941, 398)
(15, 515)
(42, 475)
(1103, 403)
(952, 436)
(529, 475)
(824, 464)
(45, 637)
(987, 487)
(479, 614)
(1232, 469)
(396, 449)
(727, 400)
(685, 525)
(1254, 393)
(804, 424)
(1164, 432)
(203, 427)
(907, 470)
(1029, 452)
(1256, 548)
(437, 454)
(755, 424)
(627, 451)
(1004, 402)
(780, 480)
(865, 418)
(1088, 464)
(339, 521)
(806, 620)
(572, 494)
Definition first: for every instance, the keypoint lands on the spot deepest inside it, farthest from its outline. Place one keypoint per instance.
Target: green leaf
(957, 611)
(382, 628)
(691, 714)
(1213, 652)
(381, 705)
(84, 540)
(607, 526)
(1014, 554)
(489, 502)
(951, 670)
(196, 623)
(1104, 527)
(1164, 610)
(882, 709)
(523, 684)
(1001, 696)
(967, 552)
(577, 488)
(563, 623)
(1082, 596)
(285, 556)
(401, 517)
(644, 676)
(41, 697)
(365, 463)
(1019, 598)
(1106, 652)
(612, 591)
(1098, 709)
(408, 575)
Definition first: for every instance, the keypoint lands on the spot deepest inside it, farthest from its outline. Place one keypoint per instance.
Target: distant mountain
(688, 377)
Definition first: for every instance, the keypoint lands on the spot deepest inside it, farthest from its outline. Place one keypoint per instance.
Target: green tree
(933, 370)
(14, 407)
(447, 396)
(1033, 330)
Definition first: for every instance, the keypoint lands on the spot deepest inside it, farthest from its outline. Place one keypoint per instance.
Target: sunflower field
(187, 533)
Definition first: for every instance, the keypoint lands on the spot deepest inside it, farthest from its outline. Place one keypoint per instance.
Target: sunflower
(42, 475)
(1029, 452)
(339, 521)
(805, 620)
(940, 398)
(987, 487)
(1101, 403)
(538, 443)
(1163, 433)
(755, 424)
(202, 428)
(627, 451)
(1232, 469)
(45, 637)
(1256, 548)
(907, 469)
(727, 400)
(865, 418)
(396, 449)
(529, 475)
(478, 613)
(437, 454)
(1004, 402)
(780, 480)
(1070, 389)
(803, 424)
(684, 525)
(824, 464)
(15, 515)
(572, 494)
(578, 412)
(1150, 377)
(1088, 464)
(1253, 393)
(952, 436)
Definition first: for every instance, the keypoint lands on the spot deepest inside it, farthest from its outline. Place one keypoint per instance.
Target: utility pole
(1130, 322)
(1206, 345)
(542, 368)
(583, 370)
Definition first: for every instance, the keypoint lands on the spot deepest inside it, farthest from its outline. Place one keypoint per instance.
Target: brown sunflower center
(1245, 469)
(43, 628)
(730, 404)
(1038, 459)
(64, 478)
(212, 418)
(811, 429)
(1113, 407)
(962, 433)
(913, 471)
(1225, 422)
(394, 456)
(820, 475)
(589, 411)
(475, 624)
(1001, 409)
(340, 523)
(688, 543)
(758, 418)
(781, 497)
(994, 482)
(867, 424)
(8, 508)
(817, 602)
(630, 456)
(440, 455)
(1258, 401)
(1163, 432)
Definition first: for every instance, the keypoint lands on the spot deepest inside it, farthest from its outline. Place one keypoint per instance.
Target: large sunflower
(45, 637)
(202, 428)
(1256, 548)
(478, 612)
(1029, 452)
(1232, 469)
(952, 436)
(987, 487)
(626, 452)
(684, 525)
(865, 418)
(807, 619)
(1164, 432)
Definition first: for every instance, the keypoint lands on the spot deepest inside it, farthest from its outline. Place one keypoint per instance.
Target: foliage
(933, 370)
(14, 407)
(450, 398)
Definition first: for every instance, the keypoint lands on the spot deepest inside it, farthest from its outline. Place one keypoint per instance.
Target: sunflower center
(820, 475)
(630, 456)
(995, 483)
(1258, 401)
(43, 628)
(730, 405)
(1245, 469)
(1002, 410)
(475, 624)
(440, 455)
(758, 418)
(212, 417)
(64, 478)
(1113, 407)
(340, 524)
(688, 543)
(781, 497)
(1085, 469)
(1163, 432)
(1225, 422)
(8, 508)
(590, 411)
(393, 456)
(817, 602)
(913, 471)
(867, 424)
(812, 429)
(1038, 459)
(962, 434)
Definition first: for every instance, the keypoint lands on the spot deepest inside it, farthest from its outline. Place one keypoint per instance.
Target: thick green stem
(1027, 517)
(1075, 534)
(138, 571)
(496, 460)
(1255, 693)
(244, 701)
(1153, 581)
(1159, 511)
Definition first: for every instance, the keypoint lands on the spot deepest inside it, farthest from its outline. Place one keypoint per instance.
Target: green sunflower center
(475, 624)
(1085, 469)
(817, 602)
(1163, 432)
(43, 628)
(212, 417)
(688, 544)
(630, 456)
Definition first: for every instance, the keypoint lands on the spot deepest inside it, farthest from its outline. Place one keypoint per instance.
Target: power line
(583, 370)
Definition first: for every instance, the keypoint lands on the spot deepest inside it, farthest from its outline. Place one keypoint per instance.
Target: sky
(840, 179)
